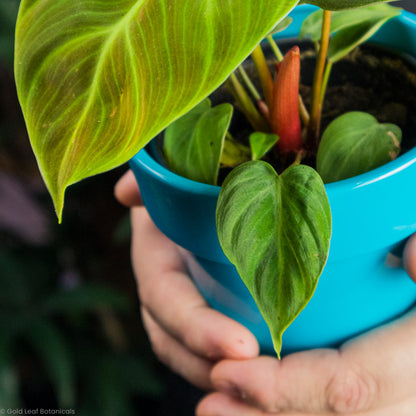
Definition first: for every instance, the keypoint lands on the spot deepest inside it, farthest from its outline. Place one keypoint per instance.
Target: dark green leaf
(193, 144)
(341, 4)
(276, 231)
(355, 143)
(9, 380)
(355, 27)
(8, 14)
(14, 290)
(87, 297)
(53, 350)
(349, 28)
(139, 376)
(261, 143)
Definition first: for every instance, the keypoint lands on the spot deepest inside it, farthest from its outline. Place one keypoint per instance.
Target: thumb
(371, 372)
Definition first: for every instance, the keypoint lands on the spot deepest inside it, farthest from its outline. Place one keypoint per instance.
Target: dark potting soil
(375, 80)
(371, 79)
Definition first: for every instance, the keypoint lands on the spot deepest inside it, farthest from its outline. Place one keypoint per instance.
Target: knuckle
(350, 392)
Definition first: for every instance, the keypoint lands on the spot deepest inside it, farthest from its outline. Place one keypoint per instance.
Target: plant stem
(299, 156)
(276, 50)
(265, 76)
(316, 108)
(249, 84)
(304, 115)
(327, 74)
(246, 105)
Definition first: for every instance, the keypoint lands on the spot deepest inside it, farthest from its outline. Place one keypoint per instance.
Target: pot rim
(163, 174)
(404, 161)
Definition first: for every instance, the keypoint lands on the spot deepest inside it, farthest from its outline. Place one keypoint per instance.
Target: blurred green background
(70, 332)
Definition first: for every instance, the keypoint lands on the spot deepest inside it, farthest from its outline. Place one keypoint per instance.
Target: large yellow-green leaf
(97, 79)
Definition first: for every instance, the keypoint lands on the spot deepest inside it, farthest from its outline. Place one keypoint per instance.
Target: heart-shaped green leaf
(97, 79)
(276, 231)
(261, 143)
(193, 143)
(341, 4)
(349, 28)
(355, 143)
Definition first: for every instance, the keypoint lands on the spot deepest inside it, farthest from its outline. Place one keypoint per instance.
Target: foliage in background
(8, 13)
(66, 340)
(72, 332)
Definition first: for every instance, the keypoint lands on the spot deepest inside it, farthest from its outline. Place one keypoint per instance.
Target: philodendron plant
(98, 79)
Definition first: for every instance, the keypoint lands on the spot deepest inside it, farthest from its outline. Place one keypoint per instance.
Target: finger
(127, 190)
(289, 385)
(171, 353)
(370, 372)
(218, 404)
(172, 299)
(409, 257)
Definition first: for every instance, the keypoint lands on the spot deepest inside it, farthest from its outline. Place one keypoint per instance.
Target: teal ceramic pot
(373, 214)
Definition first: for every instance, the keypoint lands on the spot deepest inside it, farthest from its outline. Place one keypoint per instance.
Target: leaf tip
(277, 344)
(58, 202)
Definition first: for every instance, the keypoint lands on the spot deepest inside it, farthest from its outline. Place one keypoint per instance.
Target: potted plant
(112, 85)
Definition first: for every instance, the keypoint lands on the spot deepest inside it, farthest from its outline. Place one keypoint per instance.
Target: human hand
(372, 375)
(186, 334)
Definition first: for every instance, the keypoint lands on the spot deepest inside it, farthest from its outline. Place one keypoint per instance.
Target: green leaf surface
(312, 26)
(281, 26)
(234, 153)
(98, 79)
(193, 144)
(261, 143)
(88, 297)
(355, 143)
(341, 4)
(9, 377)
(276, 231)
(8, 14)
(53, 350)
(140, 376)
(349, 28)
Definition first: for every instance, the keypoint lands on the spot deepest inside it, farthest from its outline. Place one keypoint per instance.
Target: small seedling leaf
(261, 143)
(234, 153)
(193, 144)
(355, 143)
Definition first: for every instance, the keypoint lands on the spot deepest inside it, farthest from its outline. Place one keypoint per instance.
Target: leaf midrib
(114, 31)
